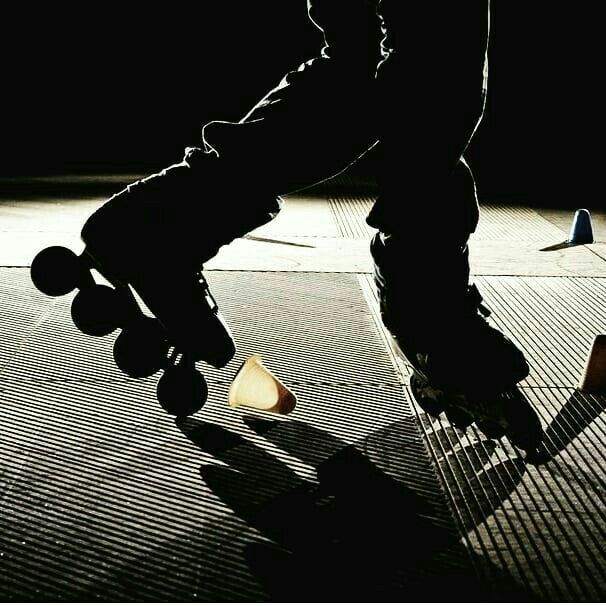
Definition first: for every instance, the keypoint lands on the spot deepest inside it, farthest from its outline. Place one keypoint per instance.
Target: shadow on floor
(357, 534)
(576, 416)
(354, 523)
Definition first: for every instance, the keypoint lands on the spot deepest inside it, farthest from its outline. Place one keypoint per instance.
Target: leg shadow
(357, 534)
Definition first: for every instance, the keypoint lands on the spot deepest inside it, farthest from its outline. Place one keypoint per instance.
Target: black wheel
(141, 348)
(98, 310)
(182, 390)
(427, 398)
(491, 429)
(525, 429)
(55, 271)
(459, 418)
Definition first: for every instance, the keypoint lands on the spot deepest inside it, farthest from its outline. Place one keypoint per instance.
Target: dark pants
(410, 78)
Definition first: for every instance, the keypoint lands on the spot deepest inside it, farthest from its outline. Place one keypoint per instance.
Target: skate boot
(470, 373)
(146, 242)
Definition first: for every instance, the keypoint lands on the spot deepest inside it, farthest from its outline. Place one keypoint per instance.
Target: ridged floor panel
(543, 524)
(103, 497)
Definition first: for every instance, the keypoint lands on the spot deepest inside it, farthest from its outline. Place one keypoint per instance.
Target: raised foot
(143, 345)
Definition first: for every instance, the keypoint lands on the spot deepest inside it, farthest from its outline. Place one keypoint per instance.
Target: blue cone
(581, 231)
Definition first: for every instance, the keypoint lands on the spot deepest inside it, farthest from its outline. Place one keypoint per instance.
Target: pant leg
(321, 117)
(312, 125)
(432, 86)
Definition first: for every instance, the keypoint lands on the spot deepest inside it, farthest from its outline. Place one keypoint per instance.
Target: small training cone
(256, 387)
(594, 377)
(581, 231)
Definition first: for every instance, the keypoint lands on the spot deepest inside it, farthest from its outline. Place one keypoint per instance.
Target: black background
(126, 87)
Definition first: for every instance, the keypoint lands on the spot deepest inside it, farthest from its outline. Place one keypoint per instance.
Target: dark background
(126, 88)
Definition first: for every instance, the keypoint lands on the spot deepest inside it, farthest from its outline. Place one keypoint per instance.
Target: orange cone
(593, 380)
(256, 387)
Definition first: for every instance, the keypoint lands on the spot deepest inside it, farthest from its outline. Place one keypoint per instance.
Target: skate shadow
(484, 482)
(354, 532)
(575, 417)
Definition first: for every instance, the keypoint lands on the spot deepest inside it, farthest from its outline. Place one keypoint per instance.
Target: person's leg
(432, 86)
(158, 232)
(320, 117)
(313, 124)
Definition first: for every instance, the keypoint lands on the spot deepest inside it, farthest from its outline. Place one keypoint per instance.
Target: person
(407, 80)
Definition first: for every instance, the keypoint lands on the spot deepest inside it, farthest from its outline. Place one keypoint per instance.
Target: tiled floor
(357, 495)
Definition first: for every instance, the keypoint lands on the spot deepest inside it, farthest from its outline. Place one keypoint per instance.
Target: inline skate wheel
(182, 390)
(141, 349)
(55, 271)
(97, 311)
(524, 425)
(426, 397)
(459, 418)
(491, 429)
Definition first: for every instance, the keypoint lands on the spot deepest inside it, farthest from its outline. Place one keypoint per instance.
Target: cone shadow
(577, 414)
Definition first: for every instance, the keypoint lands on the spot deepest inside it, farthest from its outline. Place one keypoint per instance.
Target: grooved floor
(100, 490)
(104, 498)
(545, 524)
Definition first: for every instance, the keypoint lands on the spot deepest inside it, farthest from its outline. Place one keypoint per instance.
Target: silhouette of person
(409, 78)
